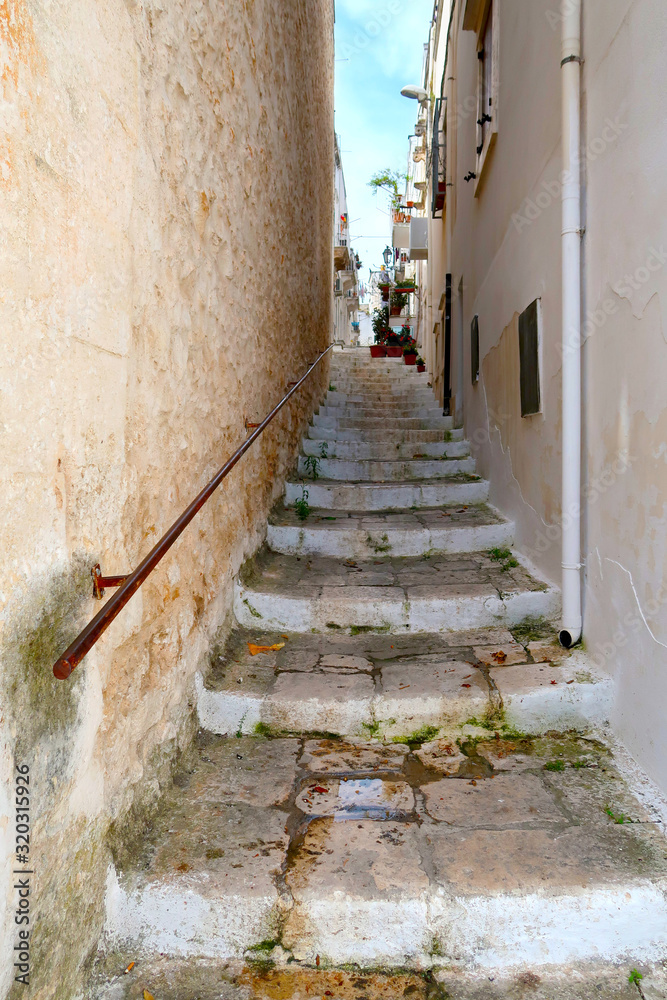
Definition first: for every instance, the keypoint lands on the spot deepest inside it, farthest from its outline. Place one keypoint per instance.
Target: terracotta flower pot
(395, 311)
(378, 351)
(385, 296)
(421, 368)
(394, 352)
(410, 359)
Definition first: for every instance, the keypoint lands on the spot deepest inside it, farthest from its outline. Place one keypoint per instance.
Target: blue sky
(379, 49)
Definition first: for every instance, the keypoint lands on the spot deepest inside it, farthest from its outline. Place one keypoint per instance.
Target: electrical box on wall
(419, 239)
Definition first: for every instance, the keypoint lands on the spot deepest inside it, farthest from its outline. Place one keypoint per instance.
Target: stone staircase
(405, 776)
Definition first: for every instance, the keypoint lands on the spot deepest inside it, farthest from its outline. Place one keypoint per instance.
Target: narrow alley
(389, 772)
(333, 614)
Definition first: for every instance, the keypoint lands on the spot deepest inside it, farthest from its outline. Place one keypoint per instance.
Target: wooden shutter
(529, 359)
(474, 349)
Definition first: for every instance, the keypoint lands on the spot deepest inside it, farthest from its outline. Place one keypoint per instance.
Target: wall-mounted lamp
(416, 93)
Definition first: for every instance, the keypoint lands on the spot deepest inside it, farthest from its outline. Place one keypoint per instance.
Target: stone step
(332, 853)
(362, 412)
(397, 471)
(269, 977)
(389, 424)
(407, 398)
(437, 594)
(395, 686)
(377, 434)
(365, 496)
(358, 535)
(389, 385)
(384, 450)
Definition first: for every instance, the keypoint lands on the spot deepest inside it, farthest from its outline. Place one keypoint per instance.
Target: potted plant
(405, 287)
(410, 353)
(397, 303)
(380, 320)
(393, 344)
(421, 367)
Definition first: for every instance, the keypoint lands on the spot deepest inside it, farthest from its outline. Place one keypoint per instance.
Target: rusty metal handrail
(130, 584)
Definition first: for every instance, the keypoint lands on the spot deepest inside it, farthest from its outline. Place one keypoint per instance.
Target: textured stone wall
(165, 270)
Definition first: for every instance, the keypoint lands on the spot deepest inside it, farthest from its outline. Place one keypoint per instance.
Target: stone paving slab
(360, 798)
(338, 865)
(202, 979)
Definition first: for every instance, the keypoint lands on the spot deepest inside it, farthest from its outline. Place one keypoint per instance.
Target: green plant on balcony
(397, 303)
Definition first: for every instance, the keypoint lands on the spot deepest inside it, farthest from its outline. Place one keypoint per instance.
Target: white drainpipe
(571, 499)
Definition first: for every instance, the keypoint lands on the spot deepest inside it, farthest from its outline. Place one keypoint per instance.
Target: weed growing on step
(253, 611)
(264, 946)
(634, 977)
(261, 729)
(312, 464)
(504, 557)
(301, 505)
(448, 436)
(554, 765)
(379, 547)
(362, 629)
(324, 450)
(332, 388)
(423, 735)
(371, 728)
(532, 630)
(619, 818)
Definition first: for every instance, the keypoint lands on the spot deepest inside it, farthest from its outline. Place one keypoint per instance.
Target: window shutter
(474, 349)
(529, 359)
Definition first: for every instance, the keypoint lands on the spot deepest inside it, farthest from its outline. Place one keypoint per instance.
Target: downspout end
(569, 637)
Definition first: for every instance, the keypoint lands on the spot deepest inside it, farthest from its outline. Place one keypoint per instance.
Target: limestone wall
(165, 185)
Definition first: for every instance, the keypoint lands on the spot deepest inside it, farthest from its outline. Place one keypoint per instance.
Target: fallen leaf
(466, 685)
(254, 650)
(148, 996)
(319, 788)
(499, 657)
(183, 868)
(284, 637)
(569, 682)
(554, 682)
(317, 961)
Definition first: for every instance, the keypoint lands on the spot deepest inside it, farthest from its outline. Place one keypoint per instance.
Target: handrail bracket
(100, 583)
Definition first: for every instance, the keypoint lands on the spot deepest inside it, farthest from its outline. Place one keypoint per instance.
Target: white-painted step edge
(355, 543)
(385, 451)
(381, 608)
(387, 496)
(579, 705)
(398, 471)
(622, 922)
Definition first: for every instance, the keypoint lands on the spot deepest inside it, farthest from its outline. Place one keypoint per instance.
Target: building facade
(346, 281)
(542, 305)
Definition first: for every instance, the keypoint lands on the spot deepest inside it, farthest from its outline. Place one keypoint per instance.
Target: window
(474, 349)
(529, 359)
(487, 86)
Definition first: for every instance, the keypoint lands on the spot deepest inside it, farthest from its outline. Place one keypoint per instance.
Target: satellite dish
(415, 92)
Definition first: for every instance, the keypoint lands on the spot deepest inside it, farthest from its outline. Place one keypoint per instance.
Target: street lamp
(416, 93)
(388, 256)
